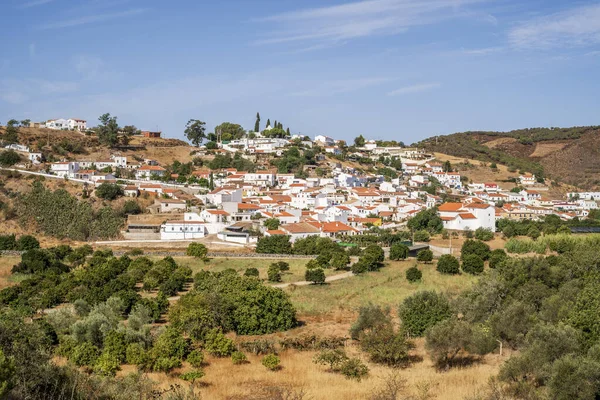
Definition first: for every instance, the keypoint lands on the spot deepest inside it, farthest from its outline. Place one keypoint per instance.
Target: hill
(568, 155)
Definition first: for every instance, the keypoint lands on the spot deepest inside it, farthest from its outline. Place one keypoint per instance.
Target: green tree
(333, 358)
(423, 310)
(315, 275)
(109, 191)
(108, 130)
(472, 264)
(354, 368)
(425, 256)
(251, 272)
(448, 264)
(359, 141)
(426, 220)
(340, 260)
(484, 234)
(257, 123)
(195, 358)
(497, 256)
(9, 158)
(7, 373)
(195, 131)
(273, 273)
(413, 274)
(27, 242)
(197, 250)
(230, 130)
(271, 362)
(421, 236)
(398, 251)
(476, 247)
(275, 244)
(271, 223)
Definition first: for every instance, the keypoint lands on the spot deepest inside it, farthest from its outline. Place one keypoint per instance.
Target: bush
(496, 257)
(484, 234)
(195, 358)
(197, 250)
(472, 264)
(413, 274)
(8, 242)
(219, 345)
(273, 273)
(448, 264)
(425, 255)
(398, 251)
(84, 354)
(191, 376)
(422, 310)
(333, 358)
(135, 354)
(385, 346)
(276, 244)
(477, 247)
(315, 275)
(109, 191)
(251, 272)
(283, 266)
(370, 316)
(421, 236)
(9, 158)
(131, 207)
(237, 357)
(271, 362)
(340, 260)
(27, 242)
(107, 364)
(354, 368)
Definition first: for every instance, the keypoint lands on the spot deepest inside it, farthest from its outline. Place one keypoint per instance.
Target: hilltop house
(145, 172)
(461, 216)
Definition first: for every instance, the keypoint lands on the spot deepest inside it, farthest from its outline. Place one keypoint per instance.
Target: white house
(170, 205)
(77, 124)
(57, 124)
(64, 169)
(324, 140)
(182, 230)
(527, 179)
(145, 172)
(460, 216)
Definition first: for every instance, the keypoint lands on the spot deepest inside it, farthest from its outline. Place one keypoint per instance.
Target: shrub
(484, 234)
(197, 250)
(534, 232)
(422, 310)
(385, 346)
(275, 244)
(27, 242)
(273, 273)
(271, 362)
(191, 376)
(283, 266)
(413, 274)
(354, 368)
(135, 354)
(496, 257)
(217, 344)
(9, 158)
(251, 272)
(8, 242)
(369, 316)
(398, 251)
(131, 207)
(421, 236)
(84, 354)
(477, 247)
(340, 260)
(107, 364)
(448, 264)
(316, 275)
(425, 255)
(165, 364)
(334, 358)
(195, 358)
(237, 357)
(109, 191)
(472, 264)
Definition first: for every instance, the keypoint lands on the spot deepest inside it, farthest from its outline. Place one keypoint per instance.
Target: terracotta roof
(276, 232)
(467, 216)
(477, 205)
(301, 227)
(151, 168)
(452, 207)
(217, 212)
(247, 206)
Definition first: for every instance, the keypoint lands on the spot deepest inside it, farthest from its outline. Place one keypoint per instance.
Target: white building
(323, 140)
(64, 169)
(186, 229)
(145, 172)
(460, 216)
(527, 179)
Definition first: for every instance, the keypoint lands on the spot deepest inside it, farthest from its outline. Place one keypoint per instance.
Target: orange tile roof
(451, 207)
(467, 216)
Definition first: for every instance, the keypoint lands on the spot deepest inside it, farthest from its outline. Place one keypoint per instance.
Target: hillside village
(333, 196)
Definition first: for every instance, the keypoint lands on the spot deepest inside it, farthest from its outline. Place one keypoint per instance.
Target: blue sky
(387, 69)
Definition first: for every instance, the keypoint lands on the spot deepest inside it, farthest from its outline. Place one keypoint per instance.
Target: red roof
(451, 207)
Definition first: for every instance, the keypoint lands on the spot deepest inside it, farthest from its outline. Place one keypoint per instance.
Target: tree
(7, 372)
(195, 131)
(251, 272)
(398, 251)
(271, 362)
(197, 250)
(421, 236)
(359, 141)
(354, 368)
(471, 246)
(315, 275)
(11, 135)
(275, 244)
(9, 158)
(413, 274)
(534, 232)
(496, 257)
(484, 234)
(426, 220)
(268, 123)
(425, 255)
(26, 123)
(472, 264)
(195, 358)
(448, 264)
(230, 131)
(271, 224)
(340, 260)
(273, 273)
(108, 130)
(333, 358)
(27, 242)
(423, 310)
(447, 166)
(257, 123)
(385, 346)
(109, 191)
(370, 316)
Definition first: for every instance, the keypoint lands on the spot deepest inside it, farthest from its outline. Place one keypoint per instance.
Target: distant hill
(568, 155)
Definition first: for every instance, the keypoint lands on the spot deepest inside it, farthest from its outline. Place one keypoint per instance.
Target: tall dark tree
(359, 141)
(108, 130)
(268, 123)
(195, 131)
(287, 132)
(12, 132)
(257, 123)
(275, 125)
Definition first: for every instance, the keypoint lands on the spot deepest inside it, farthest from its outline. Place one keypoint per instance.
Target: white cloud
(483, 51)
(93, 19)
(35, 3)
(330, 88)
(19, 91)
(577, 27)
(423, 87)
(335, 24)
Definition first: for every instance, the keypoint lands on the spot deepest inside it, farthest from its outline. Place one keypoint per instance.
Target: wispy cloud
(330, 88)
(93, 19)
(576, 27)
(19, 91)
(35, 3)
(482, 51)
(422, 87)
(354, 20)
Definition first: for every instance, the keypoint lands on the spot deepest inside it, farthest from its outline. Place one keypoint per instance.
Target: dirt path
(306, 283)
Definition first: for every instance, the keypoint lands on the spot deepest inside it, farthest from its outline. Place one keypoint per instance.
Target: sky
(386, 69)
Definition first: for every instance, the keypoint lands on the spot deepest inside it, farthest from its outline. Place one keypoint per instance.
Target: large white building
(67, 124)
(460, 216)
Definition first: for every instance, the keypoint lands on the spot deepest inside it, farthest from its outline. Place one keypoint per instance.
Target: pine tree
(287, 131)
(211, 184)
(275, 124)
(268, 123)
(257, 123)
